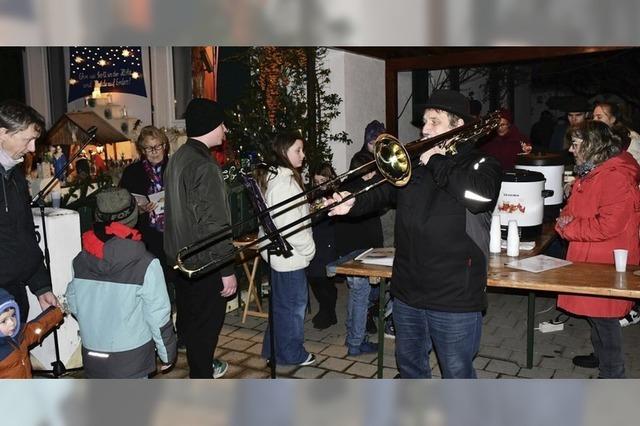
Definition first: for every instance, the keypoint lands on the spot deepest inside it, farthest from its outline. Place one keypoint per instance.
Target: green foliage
(250, 128)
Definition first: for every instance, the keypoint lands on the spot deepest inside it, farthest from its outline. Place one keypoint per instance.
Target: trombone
(392, 159)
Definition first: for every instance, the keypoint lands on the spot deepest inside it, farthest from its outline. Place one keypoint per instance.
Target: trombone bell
(392, 160)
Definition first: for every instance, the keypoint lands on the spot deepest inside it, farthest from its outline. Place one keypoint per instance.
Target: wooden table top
(580, 278)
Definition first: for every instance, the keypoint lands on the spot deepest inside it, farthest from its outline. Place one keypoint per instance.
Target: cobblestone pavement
(502, 350)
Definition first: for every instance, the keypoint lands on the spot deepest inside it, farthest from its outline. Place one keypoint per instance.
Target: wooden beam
(391, 98)
(490, 55)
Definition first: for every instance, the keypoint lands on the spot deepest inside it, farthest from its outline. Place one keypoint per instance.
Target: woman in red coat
(602, 214)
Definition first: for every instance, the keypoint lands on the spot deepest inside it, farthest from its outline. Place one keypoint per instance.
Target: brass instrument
(392, 159)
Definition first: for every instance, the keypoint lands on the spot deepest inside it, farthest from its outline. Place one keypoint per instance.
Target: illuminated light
(37, 330)
(78, 60)
(126, 53)
(135, 74)
(102, 62)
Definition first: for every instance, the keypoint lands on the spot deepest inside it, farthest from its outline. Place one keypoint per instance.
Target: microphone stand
(58, 367)
(277, 247)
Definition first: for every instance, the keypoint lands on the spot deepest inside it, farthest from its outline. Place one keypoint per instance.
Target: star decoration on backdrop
(118, 69)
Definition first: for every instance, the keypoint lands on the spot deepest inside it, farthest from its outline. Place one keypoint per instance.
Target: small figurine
(59, 161)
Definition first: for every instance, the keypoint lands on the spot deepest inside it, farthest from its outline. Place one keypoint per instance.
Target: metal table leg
(531, 316)
(381, 303)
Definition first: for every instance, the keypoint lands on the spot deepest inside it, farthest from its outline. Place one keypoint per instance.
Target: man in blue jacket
(442, 246)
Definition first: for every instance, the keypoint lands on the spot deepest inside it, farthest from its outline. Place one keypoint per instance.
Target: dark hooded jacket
(14, 350)
(442, 230)
(21, 260)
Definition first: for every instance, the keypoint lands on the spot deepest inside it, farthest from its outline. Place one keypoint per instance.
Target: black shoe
(586, 361)
(325, 321)
(371, 324)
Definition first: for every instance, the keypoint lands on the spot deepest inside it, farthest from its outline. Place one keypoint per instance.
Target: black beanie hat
(202, 116)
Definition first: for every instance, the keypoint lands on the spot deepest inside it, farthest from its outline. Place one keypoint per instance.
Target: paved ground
(502, 352)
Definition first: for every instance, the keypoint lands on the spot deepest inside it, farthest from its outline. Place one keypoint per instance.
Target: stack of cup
(494, 235)
(513, 239)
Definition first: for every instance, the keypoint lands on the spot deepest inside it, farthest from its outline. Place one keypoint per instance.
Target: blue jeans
(357, 306)
(454, 335)
(289, 295)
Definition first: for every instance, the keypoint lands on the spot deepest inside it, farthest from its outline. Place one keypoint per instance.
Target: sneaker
(220, 368)
(633, 317)
(311, 359)
(389, 328)
(586, 361)
(364, 348)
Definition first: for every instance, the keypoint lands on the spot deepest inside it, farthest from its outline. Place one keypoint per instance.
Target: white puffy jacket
(279, 188)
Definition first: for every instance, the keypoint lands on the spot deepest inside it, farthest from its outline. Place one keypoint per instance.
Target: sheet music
(265, 220)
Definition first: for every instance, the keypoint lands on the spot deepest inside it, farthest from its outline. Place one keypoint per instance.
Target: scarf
(155, 175)
(583, 169)
(7, 161)
(93, 240)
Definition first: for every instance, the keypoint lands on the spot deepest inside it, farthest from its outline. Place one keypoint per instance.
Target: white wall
(359, 81)
(407, 132)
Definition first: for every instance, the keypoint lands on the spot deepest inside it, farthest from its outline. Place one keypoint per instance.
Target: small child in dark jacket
(16, 339)
(323, 287)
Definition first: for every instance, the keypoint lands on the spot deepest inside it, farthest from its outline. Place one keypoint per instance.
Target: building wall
(359, 81)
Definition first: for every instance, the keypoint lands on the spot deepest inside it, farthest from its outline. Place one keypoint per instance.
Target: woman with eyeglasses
(601, 214)
(144, 179)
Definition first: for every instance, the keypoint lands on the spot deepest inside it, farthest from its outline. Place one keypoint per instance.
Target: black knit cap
(202, 116)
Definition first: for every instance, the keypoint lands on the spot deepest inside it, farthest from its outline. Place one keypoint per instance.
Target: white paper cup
(620, 257)
(55, 199)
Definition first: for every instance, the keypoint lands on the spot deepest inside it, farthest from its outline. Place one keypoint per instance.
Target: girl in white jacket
(288, 279)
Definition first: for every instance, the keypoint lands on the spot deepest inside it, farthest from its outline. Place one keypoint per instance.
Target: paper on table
(539, 263)
(158, 198)
(378, 256)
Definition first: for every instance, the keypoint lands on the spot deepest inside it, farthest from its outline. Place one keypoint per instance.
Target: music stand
(57, 367)
(277, 246)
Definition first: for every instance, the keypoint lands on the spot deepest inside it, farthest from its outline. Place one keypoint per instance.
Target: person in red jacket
(602, 214)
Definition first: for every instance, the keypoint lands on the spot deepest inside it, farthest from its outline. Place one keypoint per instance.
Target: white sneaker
(633, 317)
(311, 359)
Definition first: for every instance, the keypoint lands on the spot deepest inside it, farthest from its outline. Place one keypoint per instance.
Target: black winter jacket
(362, 232)
(442, 230)
(21, 260)
(196, 206)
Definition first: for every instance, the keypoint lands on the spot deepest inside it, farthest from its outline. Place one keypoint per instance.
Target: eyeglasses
(153, 149)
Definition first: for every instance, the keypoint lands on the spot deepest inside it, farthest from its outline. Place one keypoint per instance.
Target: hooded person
(371, 133)
(115, 269)
(16, 338)
(506, 143)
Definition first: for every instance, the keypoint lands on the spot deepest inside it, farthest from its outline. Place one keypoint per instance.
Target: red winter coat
(605, 206)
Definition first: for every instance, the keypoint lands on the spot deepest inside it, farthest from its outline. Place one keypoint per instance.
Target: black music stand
(277, 246)
(57, 367)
